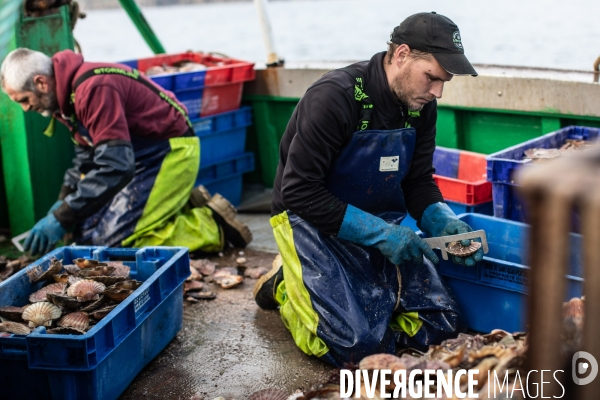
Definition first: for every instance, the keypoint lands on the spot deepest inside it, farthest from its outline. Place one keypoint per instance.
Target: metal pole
(265, 25)
(142, 25)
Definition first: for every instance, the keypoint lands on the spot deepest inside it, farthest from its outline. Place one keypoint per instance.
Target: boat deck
(228, 346)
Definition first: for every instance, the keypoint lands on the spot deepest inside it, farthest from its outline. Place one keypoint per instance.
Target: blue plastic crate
(188, 87)
(225, 177)
(492, 295)
(458, 208)
(176, 81)
(192, 100)
(222, 136)
(104, 361)
(130, 63)
(502, 165)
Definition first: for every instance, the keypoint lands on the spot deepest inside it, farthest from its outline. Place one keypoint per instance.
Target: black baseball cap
(433, 33)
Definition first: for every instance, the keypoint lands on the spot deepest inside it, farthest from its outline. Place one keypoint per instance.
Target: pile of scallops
(73, 299)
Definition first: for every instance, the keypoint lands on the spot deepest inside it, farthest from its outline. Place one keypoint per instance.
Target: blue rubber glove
(439, 220)
(398, 244)
(56, 204)
(44, 235)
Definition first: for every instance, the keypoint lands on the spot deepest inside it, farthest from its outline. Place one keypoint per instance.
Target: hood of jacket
(66, 66)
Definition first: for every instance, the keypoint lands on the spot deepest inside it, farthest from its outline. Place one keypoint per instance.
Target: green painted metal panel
(448, 128)
(15, 164)
(9, 13)
(270, 116)
(34, 164)
(486, 133)
(579, 121)
(550, 124)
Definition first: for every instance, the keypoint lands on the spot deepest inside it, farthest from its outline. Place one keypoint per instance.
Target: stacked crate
(503, 167)
(461, 177)
(502, 277)
(212, 97)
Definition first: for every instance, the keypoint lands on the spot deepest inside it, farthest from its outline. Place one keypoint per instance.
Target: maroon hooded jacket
(113, 107)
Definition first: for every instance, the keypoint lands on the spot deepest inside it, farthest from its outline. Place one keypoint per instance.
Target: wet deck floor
(229, 347)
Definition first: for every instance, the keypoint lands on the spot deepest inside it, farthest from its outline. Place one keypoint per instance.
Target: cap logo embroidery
(456, 40)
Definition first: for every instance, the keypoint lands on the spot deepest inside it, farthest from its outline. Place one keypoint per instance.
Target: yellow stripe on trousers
(167, 219)
(296, 308)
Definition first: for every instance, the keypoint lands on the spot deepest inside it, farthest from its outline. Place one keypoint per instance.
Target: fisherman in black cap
(355, 158)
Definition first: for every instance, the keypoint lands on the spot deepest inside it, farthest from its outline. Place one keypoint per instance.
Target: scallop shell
(120, 269)
(204, 266)
(84, 263)
(103, 270)
(230, 281)
(103, 312)
(241, 261)
(202, 295)
(65, 331)
(6, 272)
(40, 295)
(194, 275)
(224, 272)
(457, 249)
(108, 280)
(12, 313)
(382, 361)
(78, 320)
(256, 272)
(118, 295)
(41, 313)
(573, 308)
(268, 394)
(15, 328)
(64, 277)
(192, 286)
(94, 305)
(86, 290)
(129, 284)
(72, 269)
(74, 279)
(54, 268)
(64, 301)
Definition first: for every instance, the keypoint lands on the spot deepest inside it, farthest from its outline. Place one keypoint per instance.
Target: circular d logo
(581, 368)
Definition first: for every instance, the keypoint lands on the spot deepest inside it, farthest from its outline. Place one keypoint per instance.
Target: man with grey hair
(137, 158)
(29, 75)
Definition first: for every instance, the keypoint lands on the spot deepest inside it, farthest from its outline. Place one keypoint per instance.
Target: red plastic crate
(223, 71)
(461, 176)
(216, 90)
(219, 99)
(220, 70)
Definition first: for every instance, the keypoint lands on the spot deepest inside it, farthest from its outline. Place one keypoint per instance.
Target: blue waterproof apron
(353, 291)
(151, 209)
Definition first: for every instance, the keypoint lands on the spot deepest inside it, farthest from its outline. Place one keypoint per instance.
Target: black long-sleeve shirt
(323, 123)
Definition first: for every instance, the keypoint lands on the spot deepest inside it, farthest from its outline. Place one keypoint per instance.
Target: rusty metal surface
(552, 191)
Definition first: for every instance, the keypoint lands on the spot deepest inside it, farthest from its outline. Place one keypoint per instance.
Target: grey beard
(50, 104)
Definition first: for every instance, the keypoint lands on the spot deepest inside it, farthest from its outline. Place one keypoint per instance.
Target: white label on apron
(389, 163)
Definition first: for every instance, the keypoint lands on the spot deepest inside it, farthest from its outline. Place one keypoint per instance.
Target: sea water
(536, 33)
